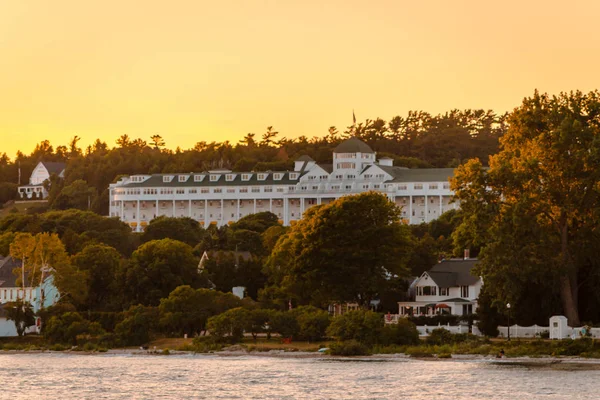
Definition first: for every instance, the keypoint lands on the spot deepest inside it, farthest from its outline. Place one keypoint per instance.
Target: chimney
(467, 254)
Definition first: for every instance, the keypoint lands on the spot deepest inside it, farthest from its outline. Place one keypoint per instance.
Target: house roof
(402, 174)
(353, 145)
(54, 167)
(239, 255)
(450, 273)
(157, 180)
(7, 278)
(304, 158)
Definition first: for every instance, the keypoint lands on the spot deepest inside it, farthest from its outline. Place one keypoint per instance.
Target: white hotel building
(221, 197)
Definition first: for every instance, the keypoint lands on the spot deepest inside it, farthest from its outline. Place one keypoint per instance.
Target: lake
(107, 376)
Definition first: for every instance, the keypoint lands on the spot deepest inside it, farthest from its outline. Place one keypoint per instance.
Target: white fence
(425, 330)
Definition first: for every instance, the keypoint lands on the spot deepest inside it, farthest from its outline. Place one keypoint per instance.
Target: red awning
(442, 305)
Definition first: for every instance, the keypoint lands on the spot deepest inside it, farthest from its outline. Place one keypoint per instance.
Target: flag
(353, 117)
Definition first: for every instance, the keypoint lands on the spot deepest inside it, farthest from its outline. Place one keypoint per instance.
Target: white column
(426, 210)
(205, 213)
(222, 212)
(122, 212)
(137, 216)
(319, 201)
(173, 214)
(286, 207)
(270, 205)
(254, 201)
(410, 210)
(156, 212)
(237, 215)
(301, 207)
(440, 205)
(190, 208)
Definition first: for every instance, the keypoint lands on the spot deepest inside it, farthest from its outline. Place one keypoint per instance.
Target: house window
(401, 187)
(464, 291)
(214, 178)
(246, 177)
(218, 191)
(268, 189)
(229, 177)
(204, 190)
(429, 290)
(418, 186)
(182, 178)
(262, 177)
(243, 190)
(433, 186)
(198, 178)
(444, 291)
(255, 190)
(167, 178)
(277, 176)
(446, 186)
(293, 176)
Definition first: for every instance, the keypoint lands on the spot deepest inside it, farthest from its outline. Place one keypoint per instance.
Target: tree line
(419, 140)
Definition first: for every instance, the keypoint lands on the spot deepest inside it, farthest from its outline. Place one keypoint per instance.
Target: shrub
(70, 326)
(402, 333)
(138, 326)
(439, 336)
(312, 323)
(229, 324)
(348, 348)
(285, 323)
(363, 326)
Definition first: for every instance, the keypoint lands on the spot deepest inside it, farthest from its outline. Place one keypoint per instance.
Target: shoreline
(553, 362)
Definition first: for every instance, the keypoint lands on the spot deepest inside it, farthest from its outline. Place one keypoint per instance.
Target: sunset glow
(212, 71)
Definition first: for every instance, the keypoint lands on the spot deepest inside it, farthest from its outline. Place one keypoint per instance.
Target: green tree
(138, 327)
(365, 327)
(76, 195)
(344, 251)
(67, 328)
(184, 229)
(100, 264)
(535, 207)
(156, 268)
(312, 323)
(21, 313)
(229, 325)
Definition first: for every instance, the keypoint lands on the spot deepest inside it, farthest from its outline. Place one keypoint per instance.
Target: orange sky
(216, 70)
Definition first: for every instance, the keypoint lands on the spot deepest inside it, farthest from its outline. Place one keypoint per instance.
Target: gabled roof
(54, 167)
(326, 167)
(449, 273)
(402, 174)
(304, 158)
(7, 278)
(353, 145)
(157, 180)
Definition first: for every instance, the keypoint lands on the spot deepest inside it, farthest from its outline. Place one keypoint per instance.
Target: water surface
(74, 376)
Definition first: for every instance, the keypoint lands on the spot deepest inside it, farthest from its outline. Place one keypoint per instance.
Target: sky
(196, 70)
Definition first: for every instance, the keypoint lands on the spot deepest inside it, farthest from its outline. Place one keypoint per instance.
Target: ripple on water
(68, 376)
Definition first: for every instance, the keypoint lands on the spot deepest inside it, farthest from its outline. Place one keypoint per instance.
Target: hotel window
(291, 188)
(401, 187)
(217, 190)
(376, 186)
(368, 176)
(418, 186)
(180, 191)
(255, 190)
(315, 188)
(243, 190)
(379, 176)
(280, 189)
(464, 291)
(262, 177)
(230, 190)
(214, 178)
(348, 187)
(351, 176)
(346, 165)
(311, 178)
(246, 177)
(182, 178)
(229, 177)
(198, 178)
(365, 186)
(193, 191)
(277, 176)
(167, 178)
(339, 176)
(323, 177)
(303, 187)
(446, 186)
(433, 186)
(204, 191)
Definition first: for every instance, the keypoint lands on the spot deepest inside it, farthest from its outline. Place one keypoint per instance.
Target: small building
(447, 288)
(41, 296)
(41, 173)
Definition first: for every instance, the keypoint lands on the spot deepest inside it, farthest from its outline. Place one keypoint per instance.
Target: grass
(20, 207)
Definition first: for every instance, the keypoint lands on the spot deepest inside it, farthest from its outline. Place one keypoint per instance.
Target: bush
(285, 323)
(138, 326)
(228, 325)
(402, 333)
(312, 323)
(70, 327)
(348, 348)
(363, 326)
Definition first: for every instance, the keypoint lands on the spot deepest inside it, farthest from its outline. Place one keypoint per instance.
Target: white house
(447, 288)
(220, 197)
(41, 173)
(41, 296)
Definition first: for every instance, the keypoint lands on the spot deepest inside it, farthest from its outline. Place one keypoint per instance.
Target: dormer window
(214, 178)
(183, 178)
(293, 175)
(167, 178)
(277, 176)
(137, 178)
(198, 178)
(246, 177)
(262, 177)
(229, 177)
